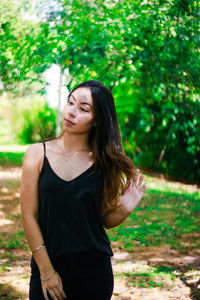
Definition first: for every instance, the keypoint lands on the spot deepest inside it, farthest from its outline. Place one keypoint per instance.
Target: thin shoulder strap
(44, 148)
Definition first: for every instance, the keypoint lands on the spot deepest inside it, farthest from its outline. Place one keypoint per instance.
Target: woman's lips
(69, 122)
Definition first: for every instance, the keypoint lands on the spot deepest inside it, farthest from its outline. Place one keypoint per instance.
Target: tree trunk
(59, 113)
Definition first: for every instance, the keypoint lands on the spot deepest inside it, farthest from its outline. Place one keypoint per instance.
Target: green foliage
(13, 241)
(33, 120)
(8, 255)
(164, 137)
(143, 275)
(150, 278)
(7, 292)
(159, 113)
(17, 34)
(147, 53)
(159, 220)
(11, 158)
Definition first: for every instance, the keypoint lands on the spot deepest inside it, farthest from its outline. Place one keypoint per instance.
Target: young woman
(71, 188)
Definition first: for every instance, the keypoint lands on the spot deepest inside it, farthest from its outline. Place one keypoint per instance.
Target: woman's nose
(72, 111)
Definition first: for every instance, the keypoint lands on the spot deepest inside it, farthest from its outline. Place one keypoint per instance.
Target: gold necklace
(67, 157)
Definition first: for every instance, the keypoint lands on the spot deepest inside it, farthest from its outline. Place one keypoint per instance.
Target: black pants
(85, 276)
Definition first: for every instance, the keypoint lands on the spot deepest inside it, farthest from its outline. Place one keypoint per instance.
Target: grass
(167, 215)
(144, 276)
(13, 240)
(11, 153)
(163, 217)
(152, 277)
(9, 293)
(9, 159)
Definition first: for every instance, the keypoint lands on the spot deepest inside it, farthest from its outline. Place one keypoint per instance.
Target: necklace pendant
(65, 158)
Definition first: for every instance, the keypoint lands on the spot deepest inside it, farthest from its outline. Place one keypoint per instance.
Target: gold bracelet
(44, 279)
(42, 245)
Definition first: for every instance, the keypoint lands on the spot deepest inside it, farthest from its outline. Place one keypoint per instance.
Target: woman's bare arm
(115, 217)
(29, 208)
(128, 202)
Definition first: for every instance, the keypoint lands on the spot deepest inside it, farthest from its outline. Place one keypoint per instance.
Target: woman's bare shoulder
(34, 149)
(34, 154)
(52, 143)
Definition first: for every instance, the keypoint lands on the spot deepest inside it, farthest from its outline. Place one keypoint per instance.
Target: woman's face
(78, 113)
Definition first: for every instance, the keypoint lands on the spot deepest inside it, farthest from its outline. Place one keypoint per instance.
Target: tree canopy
(146, 52)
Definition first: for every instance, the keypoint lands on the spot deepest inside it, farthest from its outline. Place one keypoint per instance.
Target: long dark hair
(106, 145)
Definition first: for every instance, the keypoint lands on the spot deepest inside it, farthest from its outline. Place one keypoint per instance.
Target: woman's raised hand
(134, 193)
(54, 287)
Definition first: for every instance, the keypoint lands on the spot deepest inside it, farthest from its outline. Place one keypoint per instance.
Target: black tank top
(69, 212)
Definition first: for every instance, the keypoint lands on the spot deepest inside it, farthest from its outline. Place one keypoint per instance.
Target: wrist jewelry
(42, 245)
(44, 279)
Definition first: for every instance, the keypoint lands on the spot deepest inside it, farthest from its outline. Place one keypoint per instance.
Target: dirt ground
(182, 282)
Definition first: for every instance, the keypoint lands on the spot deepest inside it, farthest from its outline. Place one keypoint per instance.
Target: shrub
(33, 120)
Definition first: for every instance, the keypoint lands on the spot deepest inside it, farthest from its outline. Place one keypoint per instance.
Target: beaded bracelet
(44, 279)
(42, 245)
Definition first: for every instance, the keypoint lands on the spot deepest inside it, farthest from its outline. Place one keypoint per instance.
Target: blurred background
(146, 52)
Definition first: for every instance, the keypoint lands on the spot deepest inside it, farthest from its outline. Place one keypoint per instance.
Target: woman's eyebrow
(81, 102)
(86, 103)
(72, 97)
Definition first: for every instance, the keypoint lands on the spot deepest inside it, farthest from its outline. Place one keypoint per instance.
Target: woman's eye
(70, 102)
(83, 109)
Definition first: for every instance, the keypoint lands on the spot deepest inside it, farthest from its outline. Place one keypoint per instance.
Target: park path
(15, 267)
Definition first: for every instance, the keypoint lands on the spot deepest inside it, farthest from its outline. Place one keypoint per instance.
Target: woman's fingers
(140, 181)
(61, 292)
(52, 294)
(60, 288)
(136, 175)
(54, 288)
(143, 187)
(57, 294)
(138, 184)
(45, 294)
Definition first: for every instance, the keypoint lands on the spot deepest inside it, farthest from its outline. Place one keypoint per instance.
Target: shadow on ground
(8, 292)
(162, 271)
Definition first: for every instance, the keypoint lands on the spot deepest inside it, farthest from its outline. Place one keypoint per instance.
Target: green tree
(18, 32)
(147, 53)
(165, 91)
